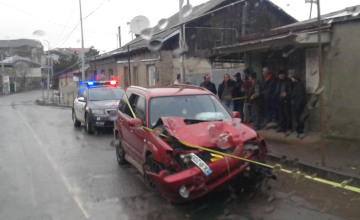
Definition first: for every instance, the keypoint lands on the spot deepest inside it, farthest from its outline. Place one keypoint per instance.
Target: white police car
(96, 105)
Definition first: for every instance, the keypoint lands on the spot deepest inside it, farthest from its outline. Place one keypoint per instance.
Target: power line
(92, 12)
(50, 20)
(65, 25)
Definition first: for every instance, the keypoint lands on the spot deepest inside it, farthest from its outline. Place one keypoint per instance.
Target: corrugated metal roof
(20, 42)
(139, 42)
(173, 21)
(261, 40)
(349, 11)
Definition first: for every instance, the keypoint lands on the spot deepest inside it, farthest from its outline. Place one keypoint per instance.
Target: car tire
(75, 121)
(89, 126)
(152, 166)
(120, 153)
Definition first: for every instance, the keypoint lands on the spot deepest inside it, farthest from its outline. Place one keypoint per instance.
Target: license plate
(201, 164)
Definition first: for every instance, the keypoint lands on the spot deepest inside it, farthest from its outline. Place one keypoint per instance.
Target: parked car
(192, 115)
(95, 106)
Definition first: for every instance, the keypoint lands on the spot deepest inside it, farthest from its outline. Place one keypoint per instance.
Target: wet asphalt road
(51, 170)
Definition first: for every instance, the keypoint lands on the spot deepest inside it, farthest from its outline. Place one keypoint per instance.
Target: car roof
(174, 90)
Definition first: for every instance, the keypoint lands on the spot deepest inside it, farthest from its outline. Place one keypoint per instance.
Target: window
(123, 103)
(85, 93)
(140, 108)
(138, 105)
(105, 94)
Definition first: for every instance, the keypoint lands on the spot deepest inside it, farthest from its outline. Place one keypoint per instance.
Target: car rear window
(105, 94)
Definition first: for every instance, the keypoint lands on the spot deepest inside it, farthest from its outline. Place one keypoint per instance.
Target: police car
(96, 105)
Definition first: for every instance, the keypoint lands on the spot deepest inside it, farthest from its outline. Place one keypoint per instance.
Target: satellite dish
(139, 23)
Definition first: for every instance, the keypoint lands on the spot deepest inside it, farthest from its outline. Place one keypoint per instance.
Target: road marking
(57, 168)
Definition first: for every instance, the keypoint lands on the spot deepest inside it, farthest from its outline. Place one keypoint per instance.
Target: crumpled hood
(103, 105)
(208, 133)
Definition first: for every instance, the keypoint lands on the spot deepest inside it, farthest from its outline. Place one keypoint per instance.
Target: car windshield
(199, 107)
(105, 94)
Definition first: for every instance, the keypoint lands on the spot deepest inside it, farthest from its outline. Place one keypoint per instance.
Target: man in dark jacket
(298, 101)
(207, 84)
(283, 91)
(268, 90)
(244, 89)
(238, 104)
(253, 98)
(225, 91)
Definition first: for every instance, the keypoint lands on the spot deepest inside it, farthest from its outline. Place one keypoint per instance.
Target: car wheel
(120, 153)
(151, 166)
(75, 121)
(89, 126)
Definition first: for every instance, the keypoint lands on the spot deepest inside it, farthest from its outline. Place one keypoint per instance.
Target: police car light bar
(96, 83)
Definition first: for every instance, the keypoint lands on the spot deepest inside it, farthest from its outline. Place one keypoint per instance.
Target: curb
(43, 103)
(321, 172)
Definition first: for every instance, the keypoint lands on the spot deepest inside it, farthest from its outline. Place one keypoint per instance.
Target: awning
(265, 43)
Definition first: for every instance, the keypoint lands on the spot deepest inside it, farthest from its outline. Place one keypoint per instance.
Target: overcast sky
(20, 18)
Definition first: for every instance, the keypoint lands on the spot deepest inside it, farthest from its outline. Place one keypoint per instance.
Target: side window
(85, 93)
(123, 107)
(140, 108)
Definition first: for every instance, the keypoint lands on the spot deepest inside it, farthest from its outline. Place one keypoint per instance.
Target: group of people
(278, 98)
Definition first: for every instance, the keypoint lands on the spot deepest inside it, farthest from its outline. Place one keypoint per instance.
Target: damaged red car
(167, 118)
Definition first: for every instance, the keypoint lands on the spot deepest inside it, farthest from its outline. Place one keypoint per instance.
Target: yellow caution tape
(218, 156)
(239, 98)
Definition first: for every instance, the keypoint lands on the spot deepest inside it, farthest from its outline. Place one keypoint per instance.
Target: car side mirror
(135, 122)
(81, 99)
(236, 114)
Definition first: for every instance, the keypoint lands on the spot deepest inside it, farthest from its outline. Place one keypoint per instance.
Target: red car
(192, 115)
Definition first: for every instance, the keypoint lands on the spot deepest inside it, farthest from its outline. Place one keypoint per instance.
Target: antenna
(138, 24)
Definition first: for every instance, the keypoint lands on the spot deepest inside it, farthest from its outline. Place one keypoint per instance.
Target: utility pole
(2, 72)
(181, 41)
(48, 72)
(82, 50)
(128, 53)
(119, 33)
(323, 150)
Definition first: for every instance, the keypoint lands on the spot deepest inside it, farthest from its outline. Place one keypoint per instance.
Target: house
(23, 73)
(56, 53)
(294, 48)
(214, 23)
(69, 84)
(30, 48)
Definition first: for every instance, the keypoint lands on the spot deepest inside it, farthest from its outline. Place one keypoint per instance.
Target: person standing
(238, 104)
(207, 84)
(283, 92)
(298, 102)
(177, 81)
(225, 91)
(253, 98)
(244, 90)
(268, 90)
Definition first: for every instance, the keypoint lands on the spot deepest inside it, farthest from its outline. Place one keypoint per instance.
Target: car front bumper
(196, 183)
